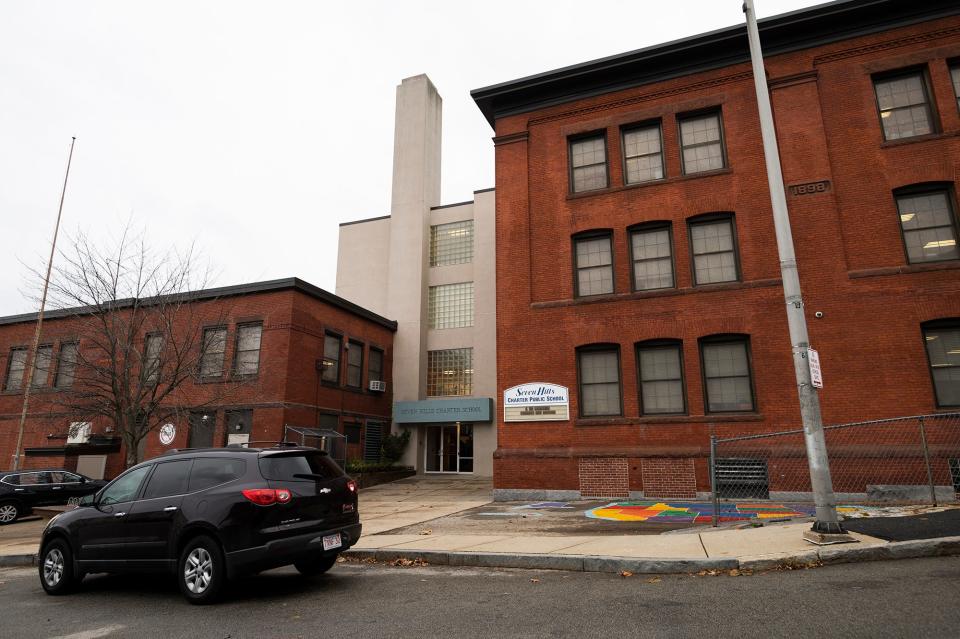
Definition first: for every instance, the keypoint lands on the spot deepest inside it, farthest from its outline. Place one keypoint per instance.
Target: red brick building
(290, 354)
(636, 258)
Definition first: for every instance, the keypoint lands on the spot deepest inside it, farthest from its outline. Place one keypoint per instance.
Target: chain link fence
(907, 460)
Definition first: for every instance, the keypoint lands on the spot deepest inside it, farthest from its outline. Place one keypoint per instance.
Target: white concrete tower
(416, 188)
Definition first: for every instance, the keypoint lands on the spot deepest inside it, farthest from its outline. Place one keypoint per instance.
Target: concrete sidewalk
(395, 520)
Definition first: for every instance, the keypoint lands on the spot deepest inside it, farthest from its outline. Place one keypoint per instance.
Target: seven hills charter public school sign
(536, 402)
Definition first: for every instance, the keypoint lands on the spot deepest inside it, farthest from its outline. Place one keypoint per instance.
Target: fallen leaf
(426, 532)
(655, 580)
(734, 572)
(626, 573)
(534, 581)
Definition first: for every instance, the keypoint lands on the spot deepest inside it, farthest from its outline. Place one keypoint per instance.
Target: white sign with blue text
(536, 402)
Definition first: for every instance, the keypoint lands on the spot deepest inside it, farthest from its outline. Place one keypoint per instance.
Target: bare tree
(141, 335)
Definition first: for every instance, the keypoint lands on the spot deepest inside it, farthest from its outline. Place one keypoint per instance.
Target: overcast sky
(254, 128)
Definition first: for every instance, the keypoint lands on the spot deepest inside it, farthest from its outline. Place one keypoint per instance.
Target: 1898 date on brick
(810, 188)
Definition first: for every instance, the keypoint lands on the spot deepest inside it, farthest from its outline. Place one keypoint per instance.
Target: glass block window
(904, 106)
(943, 351)
(354, 364)
(16, 366)
(599, 372)
(67, 366)
(450, 372)
(661, 379)
(247, 358)
(41, 366)
(375, 365)
(588, 163)
(652, 258)
(726, 373)
(714, 251)
(642, 154)
(701, 143)
(929, 227)
(594, 265)
(330, 367)
(214, 348)
(450, 305)
(451, 243)
(152, 351)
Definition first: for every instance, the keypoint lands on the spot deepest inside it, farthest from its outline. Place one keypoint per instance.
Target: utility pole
(827, 527)
(32, 361)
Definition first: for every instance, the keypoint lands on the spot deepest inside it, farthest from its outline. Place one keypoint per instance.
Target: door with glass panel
(449, 449)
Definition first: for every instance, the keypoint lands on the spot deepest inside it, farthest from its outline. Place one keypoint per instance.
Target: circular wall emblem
(167, 433)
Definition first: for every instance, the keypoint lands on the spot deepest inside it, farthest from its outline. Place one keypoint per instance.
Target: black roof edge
(368, 219)
(227, 291)
(783, 33)
(449, 206)
(486, 190)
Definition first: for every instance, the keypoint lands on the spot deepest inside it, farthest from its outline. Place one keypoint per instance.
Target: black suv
(207, 515)
(21, 490)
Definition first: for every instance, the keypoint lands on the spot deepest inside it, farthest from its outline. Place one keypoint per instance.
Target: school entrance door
(449, 448)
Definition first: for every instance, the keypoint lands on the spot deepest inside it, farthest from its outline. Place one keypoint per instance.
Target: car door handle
(118, 515)
(169, 509)
(57, 487)
(324, 491)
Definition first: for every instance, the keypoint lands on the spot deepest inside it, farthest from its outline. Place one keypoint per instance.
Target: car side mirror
(88, 500)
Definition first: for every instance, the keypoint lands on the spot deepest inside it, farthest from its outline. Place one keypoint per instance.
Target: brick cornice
(886, 45)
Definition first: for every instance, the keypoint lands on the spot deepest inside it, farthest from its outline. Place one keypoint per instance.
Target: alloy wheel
(8, 513)
(53, 567)
(198, 570)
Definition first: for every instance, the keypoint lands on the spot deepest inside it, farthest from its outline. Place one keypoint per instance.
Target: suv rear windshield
(284, 467)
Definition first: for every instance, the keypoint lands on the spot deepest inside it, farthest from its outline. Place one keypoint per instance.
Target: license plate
(332, 541)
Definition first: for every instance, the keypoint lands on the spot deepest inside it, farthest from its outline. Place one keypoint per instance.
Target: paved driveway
(417, 499)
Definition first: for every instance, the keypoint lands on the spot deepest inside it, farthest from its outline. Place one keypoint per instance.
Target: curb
(10, 561)
(938, 547)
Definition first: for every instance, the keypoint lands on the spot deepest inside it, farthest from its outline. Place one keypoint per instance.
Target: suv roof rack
(275, 444)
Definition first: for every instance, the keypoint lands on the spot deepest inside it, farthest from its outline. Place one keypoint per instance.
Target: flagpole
(32, 360)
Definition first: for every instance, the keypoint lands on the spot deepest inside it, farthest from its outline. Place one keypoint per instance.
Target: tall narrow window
(451, 243)
(41, 366)
(354, 364)
(929, 226)
(599, 373)
(726, 373)
(955, 76)
(16, 365)
(375, 365)
(714, 248)
(594, 264)
(152, 350)
(642, 154)
(214, 347)
(701, 143)
(247, 357)
(904, 105)
(450, 305)
(450, 372)
(330, 370)
(943, 351)
(661, 378)
(588, 163)
(651, 249)
(67, 366)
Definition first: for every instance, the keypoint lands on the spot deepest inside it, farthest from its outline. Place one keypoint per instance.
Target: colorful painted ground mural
(694, 513)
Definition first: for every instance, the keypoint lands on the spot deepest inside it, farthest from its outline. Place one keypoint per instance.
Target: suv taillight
(267, 496)
(352, 486)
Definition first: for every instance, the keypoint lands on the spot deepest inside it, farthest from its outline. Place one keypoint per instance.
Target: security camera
(818, 314)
